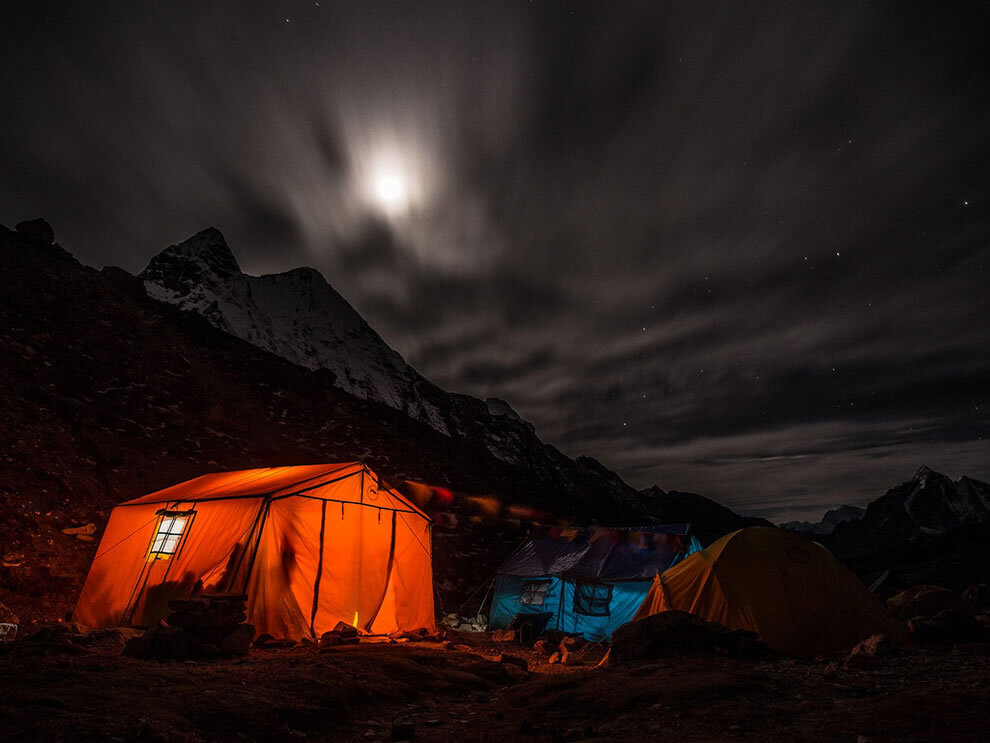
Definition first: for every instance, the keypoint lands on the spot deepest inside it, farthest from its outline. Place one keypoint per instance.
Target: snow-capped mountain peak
(295, 314)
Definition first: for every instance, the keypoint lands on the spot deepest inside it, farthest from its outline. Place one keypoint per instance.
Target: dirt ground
(62, 691)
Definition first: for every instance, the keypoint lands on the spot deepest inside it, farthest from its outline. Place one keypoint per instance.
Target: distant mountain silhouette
(928, 504)
(709, 520)
(829, 521)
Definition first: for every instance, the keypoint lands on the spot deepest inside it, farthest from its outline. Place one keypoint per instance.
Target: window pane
(167, 537)
(534, 592)
(592, 599)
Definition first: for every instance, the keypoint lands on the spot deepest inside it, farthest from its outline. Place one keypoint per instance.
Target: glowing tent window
(169, 535)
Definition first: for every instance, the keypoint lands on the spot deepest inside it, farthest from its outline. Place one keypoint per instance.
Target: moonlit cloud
(733, 248)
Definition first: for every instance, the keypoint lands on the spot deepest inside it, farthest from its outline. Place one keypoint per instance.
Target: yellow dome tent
(791, 591)
(310, 546)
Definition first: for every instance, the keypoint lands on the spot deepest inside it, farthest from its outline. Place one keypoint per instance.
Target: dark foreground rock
(203, 627)
(677, 633)
(342, 634)
(925, 601)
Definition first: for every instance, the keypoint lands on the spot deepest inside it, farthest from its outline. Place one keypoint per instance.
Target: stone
(572, 643)
(333, 638)
(12, 559)
(86, 530)
(38, 230)
(238, 642)
(924, 601)
(506, 659)
(345, 630)
(677, 633)
(403, 730)
(870, 650)
(543, 647)
(503, 635)
(553, 659)
(978, 594)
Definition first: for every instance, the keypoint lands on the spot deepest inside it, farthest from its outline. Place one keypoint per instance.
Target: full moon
(390, 192)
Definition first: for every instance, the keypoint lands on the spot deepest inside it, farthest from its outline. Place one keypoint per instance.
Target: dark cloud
(734, 248)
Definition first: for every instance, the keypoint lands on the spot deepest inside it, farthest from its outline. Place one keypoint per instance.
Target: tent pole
(257, 544)
(319, 571)
(388, 577)
(228, 582)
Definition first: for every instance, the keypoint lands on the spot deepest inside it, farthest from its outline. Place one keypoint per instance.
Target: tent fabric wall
(310, 545)
(559, 601)
(565, 563)
(792, 592)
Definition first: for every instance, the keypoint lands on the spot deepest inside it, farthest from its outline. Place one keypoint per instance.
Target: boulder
(37, 230)
(543, 647)
(924, 601)
(345, 630)
(572, 643)
(677, 633)
(869, 650)
(341, 634)
(202, 627)
(238, 642)
(403, 729)
(978, 594)
(506, 659)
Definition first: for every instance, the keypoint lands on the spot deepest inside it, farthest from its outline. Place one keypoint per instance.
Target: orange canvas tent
(310, 546)
(789, 590)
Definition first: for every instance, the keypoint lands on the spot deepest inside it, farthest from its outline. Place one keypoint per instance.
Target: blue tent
(589, 581)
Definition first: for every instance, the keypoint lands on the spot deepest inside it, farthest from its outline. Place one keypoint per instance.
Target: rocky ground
(60, 690)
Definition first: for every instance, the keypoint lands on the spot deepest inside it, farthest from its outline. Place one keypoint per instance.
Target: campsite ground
(60, 690)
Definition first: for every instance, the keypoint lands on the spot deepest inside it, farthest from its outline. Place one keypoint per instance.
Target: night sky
(735, 248)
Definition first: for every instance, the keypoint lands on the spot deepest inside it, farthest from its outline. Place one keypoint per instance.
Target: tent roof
(311, 481)
(598, 556)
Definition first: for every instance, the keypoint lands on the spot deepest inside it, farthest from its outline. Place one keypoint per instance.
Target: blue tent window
(592, 599)
(534, 592)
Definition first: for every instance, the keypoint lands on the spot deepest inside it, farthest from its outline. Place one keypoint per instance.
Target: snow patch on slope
(296, 315)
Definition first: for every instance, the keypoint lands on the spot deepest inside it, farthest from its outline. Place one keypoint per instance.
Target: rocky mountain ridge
(299, 316)
(930, 503)
(709, 520)
(829, 521)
